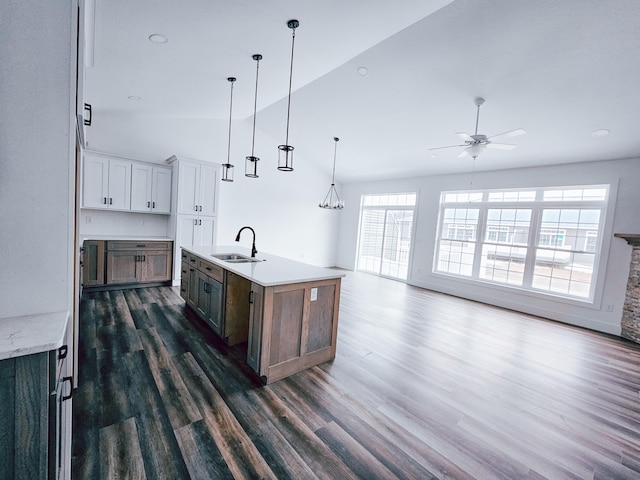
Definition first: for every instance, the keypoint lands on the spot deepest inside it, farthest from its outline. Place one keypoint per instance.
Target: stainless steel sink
(235, 258)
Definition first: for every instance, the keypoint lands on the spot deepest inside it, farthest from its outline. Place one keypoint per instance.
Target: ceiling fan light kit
(475, 144)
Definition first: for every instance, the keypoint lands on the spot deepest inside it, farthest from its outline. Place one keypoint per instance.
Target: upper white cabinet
(150, 188)
(106, 183)
(123, 184)
(193, 220)
(197, 185)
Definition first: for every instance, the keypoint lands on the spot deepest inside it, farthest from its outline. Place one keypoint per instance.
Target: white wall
(36, 156)
(280, 206)
(623, 174)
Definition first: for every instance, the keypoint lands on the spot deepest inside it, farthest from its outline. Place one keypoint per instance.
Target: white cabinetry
(150, 188)
(106, 183)
(123, 184)
(195, 186)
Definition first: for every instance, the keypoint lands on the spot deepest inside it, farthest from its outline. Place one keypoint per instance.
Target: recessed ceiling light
(603, 132)
(134, 97)
(363, 71)
(158, 38)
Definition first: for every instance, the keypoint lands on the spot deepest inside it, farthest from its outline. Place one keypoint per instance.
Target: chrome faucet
(253, 245)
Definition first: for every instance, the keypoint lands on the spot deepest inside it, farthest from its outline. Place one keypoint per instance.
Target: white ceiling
(558, 68)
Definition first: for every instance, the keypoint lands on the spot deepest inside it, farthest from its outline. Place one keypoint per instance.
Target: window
(544, 240)
(386, 222)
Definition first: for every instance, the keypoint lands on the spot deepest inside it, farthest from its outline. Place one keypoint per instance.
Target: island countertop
(271, 270)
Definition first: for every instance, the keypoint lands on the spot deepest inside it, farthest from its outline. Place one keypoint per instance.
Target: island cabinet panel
(256, 308)
(288, 311)
(298, 328)
(321, 319)
(237, 308)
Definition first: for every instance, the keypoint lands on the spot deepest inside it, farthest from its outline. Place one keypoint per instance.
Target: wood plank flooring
(424, 386)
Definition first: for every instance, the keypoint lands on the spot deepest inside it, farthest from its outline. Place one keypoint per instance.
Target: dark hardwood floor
(423, 386)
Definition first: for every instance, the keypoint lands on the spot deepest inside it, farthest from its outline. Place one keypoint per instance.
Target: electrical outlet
(608, 307)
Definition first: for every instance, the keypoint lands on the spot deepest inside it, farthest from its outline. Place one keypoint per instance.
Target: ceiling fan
(476, 143)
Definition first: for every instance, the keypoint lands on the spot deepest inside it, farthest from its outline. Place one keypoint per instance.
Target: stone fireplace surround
(631, 309)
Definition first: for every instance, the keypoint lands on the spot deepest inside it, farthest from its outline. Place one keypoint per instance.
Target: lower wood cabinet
(93, 263)
(126, 262)
(34, 413)
(219, 297)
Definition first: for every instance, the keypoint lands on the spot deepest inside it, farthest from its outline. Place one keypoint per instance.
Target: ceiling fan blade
(510, 133)
(463, 153)
(465, 136)
(501, 146)
(448, 146)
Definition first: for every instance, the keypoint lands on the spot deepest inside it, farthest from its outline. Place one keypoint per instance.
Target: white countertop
(271, 271)
(32, 334)
(133, 238)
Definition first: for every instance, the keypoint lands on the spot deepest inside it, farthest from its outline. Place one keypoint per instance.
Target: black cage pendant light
(285, 152)
(227, 168)
(251, 162)
(332, 200)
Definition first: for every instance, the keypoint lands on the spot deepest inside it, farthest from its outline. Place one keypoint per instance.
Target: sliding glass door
(386, 222)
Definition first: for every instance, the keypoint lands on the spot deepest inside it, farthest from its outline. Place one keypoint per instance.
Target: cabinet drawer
(214, 271)
(132, 245)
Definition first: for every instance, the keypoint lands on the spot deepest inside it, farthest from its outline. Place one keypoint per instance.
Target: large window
(386, 222)
(545, 240)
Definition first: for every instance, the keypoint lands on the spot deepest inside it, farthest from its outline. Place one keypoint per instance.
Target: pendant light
(285, 152)
(251, 162)
(227, 168)
(332, 200)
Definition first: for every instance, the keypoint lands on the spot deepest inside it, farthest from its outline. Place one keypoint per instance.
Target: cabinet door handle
(195, 208)
(250, 296)
(62, 352)
(148, 204)
(195, 221)
(70, 380)
(199, 222)
(205, 288)
(144, 258)
(104, 200)
(208, 268)
(87, 108)
(200, 208)
(153, 204)
(110, 201)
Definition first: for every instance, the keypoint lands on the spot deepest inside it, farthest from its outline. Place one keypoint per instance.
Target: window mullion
(534, 233)
(480, 236)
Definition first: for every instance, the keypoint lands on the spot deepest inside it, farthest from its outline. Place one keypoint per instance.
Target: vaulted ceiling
(561, 70)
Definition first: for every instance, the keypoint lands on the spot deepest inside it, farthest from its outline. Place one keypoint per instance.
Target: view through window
(545, 240)
(386, 222)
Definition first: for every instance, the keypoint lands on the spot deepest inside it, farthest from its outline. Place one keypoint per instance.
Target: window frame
(487, 199)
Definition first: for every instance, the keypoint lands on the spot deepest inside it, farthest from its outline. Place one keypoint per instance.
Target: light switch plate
(314, 294)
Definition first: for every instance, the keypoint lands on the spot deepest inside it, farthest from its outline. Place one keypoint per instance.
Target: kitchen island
(287, 311)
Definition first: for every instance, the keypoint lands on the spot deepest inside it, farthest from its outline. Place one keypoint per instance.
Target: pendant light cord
(230, 112)
(293, 41)
(335, 151)
(255, 103)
